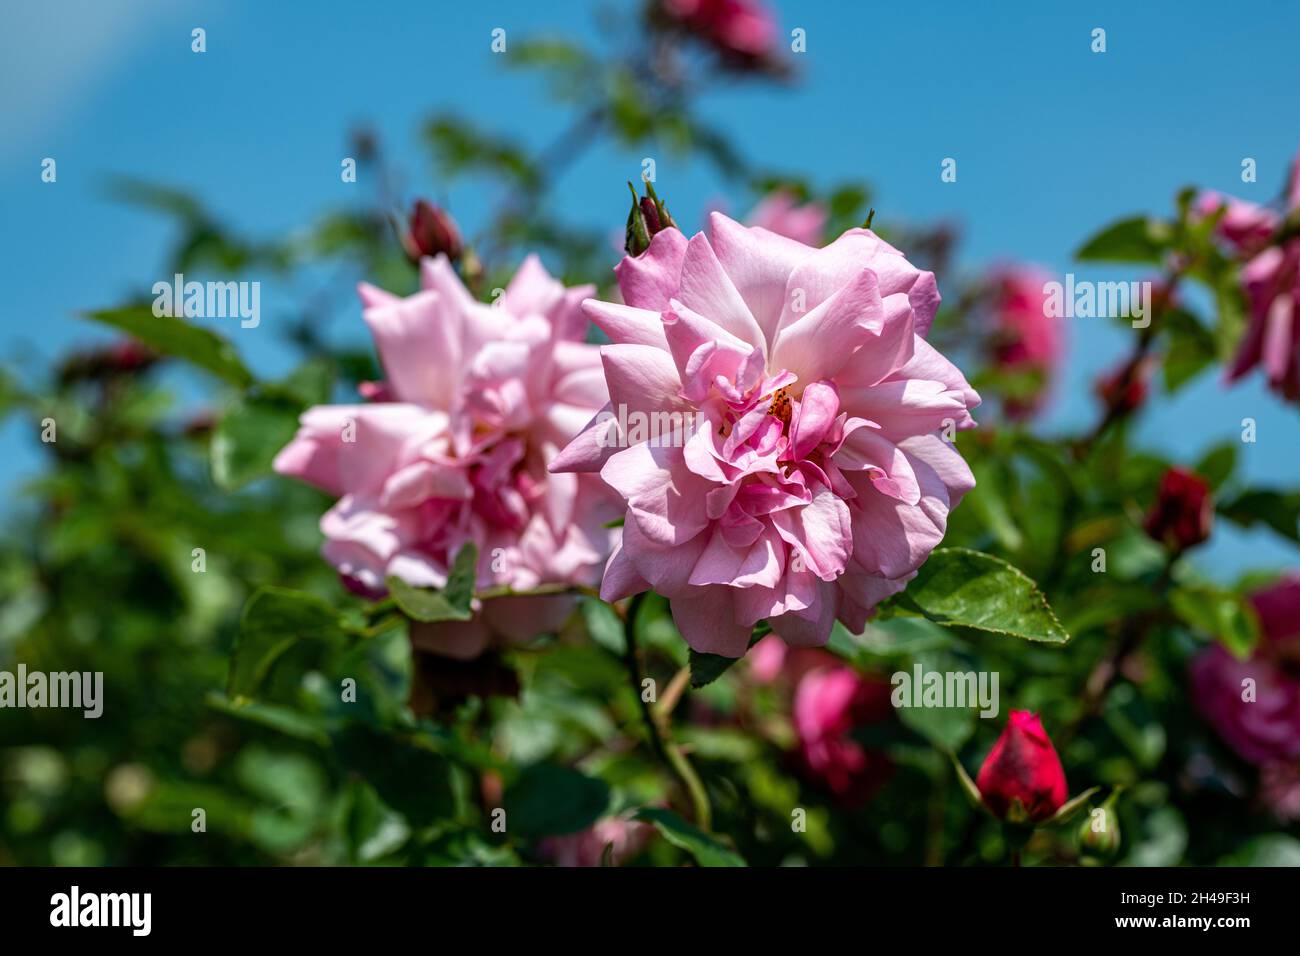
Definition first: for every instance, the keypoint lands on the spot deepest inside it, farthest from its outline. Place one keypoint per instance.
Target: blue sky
(1052, 141)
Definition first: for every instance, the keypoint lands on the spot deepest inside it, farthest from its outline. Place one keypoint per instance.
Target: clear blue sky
(1052, 141)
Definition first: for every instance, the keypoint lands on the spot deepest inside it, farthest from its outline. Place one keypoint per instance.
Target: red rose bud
(1022, 779)
(1183, 511)
(122, 358)
(647, 218)
(1125, 389)
(430, 230)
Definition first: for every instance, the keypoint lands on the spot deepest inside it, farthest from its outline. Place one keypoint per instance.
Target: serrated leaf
(172, 336)
(957, 587)
(452, 603)
(706, 850)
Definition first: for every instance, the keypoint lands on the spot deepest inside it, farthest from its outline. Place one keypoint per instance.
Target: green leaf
(1220, 615)
(452, 603)
(1271, 849)
(604, 625)
(1280, 510)
(249, 435)
(1192, 348)
(275, 620)
(173, 336)
(1139, 239)
(957, 587)
(706, 668)
(945, 727)
(706, 850)
(407, 773)
(550, 800)
(1217, 464)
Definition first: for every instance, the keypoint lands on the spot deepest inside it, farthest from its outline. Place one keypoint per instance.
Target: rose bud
(1099, 832)
(1124, 390)
(1183, 511)
(1022, 779)
(647, 218)
(743, 32)
(430, 230)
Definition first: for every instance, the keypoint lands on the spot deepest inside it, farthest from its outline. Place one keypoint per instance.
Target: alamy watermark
(78, 690)
(209, 300)
(75, 908)
(959, 689)
(1085, 299)
(625, 428)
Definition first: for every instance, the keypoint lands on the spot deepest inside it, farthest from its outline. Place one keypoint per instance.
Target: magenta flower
(1255, 704)
(1271, 279)
(1025, 338)
(743, 29)
(477, 399)
(1272, 282)
(623, 839)
(1246, 226)
(829, 703)
(811, 479)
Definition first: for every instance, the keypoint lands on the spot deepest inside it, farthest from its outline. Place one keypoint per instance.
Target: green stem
(665, 749)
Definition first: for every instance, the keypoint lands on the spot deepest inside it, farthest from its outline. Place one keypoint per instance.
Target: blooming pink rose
(780, 212)
(1025, 337)
(737, 28)
(625, 839)
(829, 703)
(813, 480)
(1265, 729)
(477, 399)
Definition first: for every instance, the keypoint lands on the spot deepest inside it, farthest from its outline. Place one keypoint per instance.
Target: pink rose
(780, 212)
(1272, 282)
(477, 399)
(1271, 279)
(1245, 225)
(624, 838)
(1025, 337)
(829, 703)
(807, 477)
(742, 29)
(1263, 726)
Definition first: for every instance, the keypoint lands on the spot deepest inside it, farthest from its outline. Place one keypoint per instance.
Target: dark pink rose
(1254, 704)
(829, 703)
(1022, 778)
